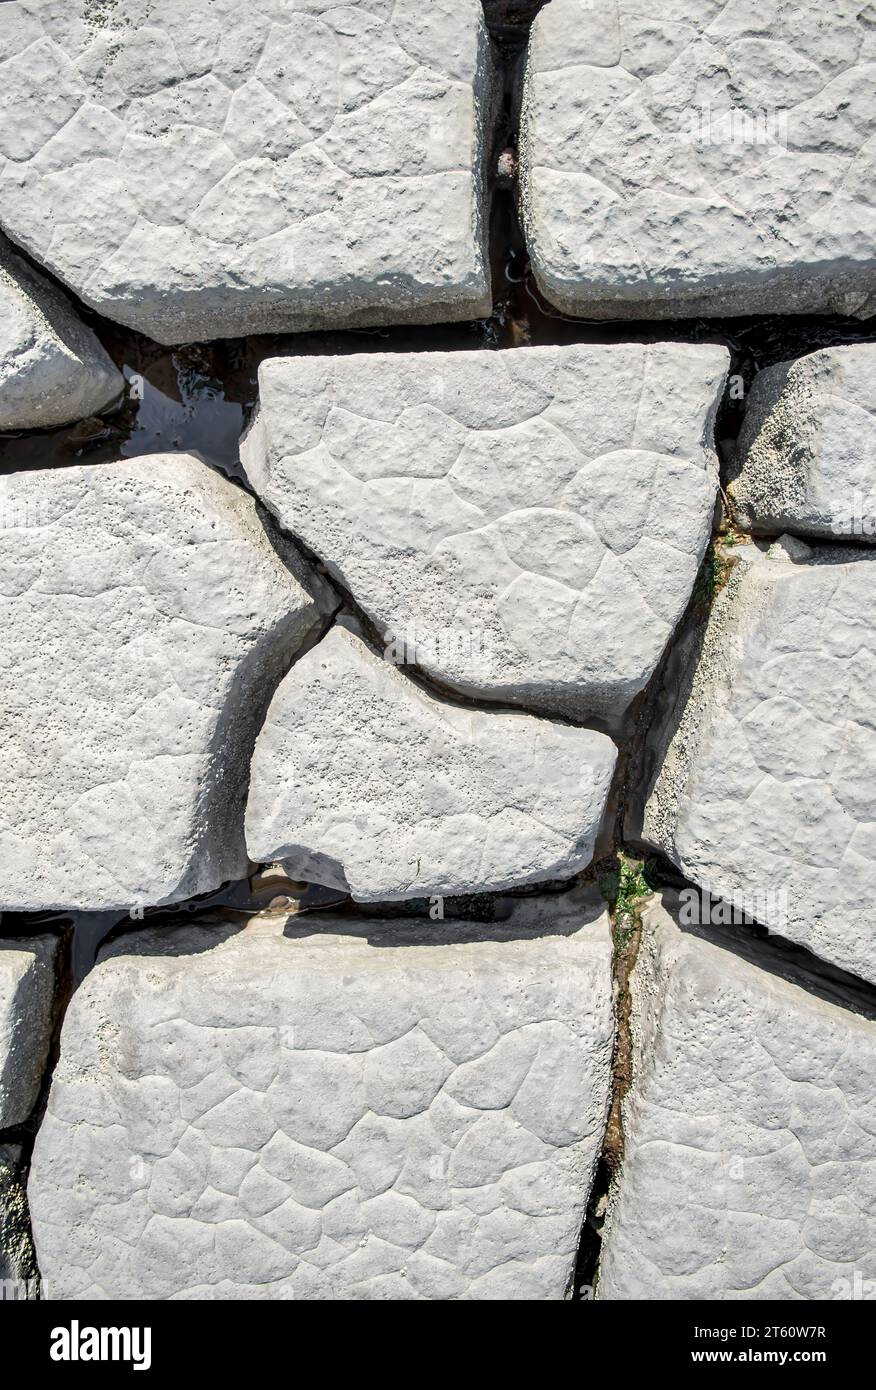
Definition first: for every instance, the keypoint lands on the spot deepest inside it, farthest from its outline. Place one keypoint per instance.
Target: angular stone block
(147, 617)
(748, 1171)
(363, 781)
(700, 159)
(52, 367)
(807, 448)
(762, 779)
(217, 168)
(28, 978)
(526, 526)
(343, 1109)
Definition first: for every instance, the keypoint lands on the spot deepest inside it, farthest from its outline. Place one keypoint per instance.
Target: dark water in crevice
(769, 951)
(198, 397)
(260, 892)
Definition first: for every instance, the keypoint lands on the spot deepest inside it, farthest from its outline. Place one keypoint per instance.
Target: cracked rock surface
(163, 615)
(375, 1111)
(52, 367)
(701, 159)
(527, 525)
(235, 166)
(28, 977)
(363, 781)
(763, 788)
(343, 758)
(807, 450)
(749, 1133)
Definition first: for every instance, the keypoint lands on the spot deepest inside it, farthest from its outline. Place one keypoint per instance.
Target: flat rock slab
(700, 159)
(363, 781)
(749, 1133)
(807, 448)
(225, 167)
(147, 617)
(391, 1110)
(764, 791)
(524, 526)
(52, 368)
(28, 979)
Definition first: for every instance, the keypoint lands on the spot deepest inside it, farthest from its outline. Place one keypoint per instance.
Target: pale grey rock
(363, 781)
(52, 368)
(220, 167)
(807, 448)
(748, 1170)
(19, 1277)
(387, 1110)
(763, 788)
(147, 618)
(700, 159)
(28, 979)
(524, 526)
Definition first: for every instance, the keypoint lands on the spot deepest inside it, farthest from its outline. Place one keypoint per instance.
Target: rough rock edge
(75, 379)
(777, 444)
(301, 861)
(451, 306)
(221, 801)
(661, 943)
(604, 708)
(33, 1007)
(800, 289)
(17, 1254)
(578, 914)
(699, 666)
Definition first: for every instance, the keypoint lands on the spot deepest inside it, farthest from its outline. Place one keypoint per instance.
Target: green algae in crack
(626, 886)
(713, 575)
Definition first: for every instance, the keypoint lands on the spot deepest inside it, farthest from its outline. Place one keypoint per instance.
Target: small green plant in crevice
(633, 884)
(624, 883)
(713, 575)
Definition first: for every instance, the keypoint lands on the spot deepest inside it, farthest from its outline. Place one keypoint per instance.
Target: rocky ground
(437, 500)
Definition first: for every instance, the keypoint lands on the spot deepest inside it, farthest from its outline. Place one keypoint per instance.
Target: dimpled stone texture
(764, 781)
(807, 448)
(365, 782)
(382, 1110)
(528, 524)
(220, 167)
(715, 158)
(147, 617)
(748, 1171)
(52, 368)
